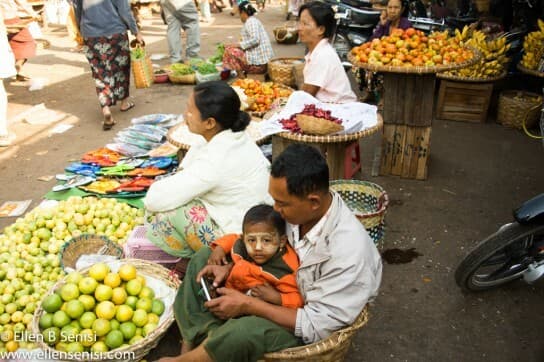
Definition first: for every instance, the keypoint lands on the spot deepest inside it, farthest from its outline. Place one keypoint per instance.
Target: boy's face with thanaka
(262, 241)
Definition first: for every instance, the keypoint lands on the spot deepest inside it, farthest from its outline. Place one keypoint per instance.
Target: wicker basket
(331, 349)
(182, 79)
(134, 352)
(318, 126)
(368, 202)
(282, 70)
(518, 107)
(87, 244)
(286, 33)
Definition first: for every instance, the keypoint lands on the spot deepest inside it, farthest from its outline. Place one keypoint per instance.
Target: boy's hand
(218, 256)
(219, 272)
(383, 17)
(267, 293)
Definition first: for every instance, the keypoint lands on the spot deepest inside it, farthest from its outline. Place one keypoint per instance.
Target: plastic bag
(157, 119)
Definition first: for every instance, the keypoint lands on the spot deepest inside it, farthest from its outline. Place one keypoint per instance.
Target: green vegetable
(181, 69)
(218, 56)
(137, 53)
(195, 62)
(207, 68)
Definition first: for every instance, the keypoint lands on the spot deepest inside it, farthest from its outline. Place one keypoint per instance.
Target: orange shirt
(279, 271)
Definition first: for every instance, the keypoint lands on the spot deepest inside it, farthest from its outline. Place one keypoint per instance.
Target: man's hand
(219, 272)
(230, 304)
(218, 256)
(267, 293)
(140, 39)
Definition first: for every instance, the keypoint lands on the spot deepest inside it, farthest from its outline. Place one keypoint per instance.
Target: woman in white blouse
(219, 180)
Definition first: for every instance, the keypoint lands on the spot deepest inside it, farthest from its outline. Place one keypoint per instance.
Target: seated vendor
(324, 75)
(340, 270)
(218, 181)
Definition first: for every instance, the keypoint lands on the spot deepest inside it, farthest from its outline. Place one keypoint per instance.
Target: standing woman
(103, 25)
(252, 54)
(7, 69)
(21, 41)
(324, 75)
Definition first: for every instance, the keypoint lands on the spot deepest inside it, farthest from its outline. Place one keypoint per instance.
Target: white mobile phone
(205, 289)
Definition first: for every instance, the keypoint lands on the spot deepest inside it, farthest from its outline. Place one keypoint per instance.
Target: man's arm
(232, 304)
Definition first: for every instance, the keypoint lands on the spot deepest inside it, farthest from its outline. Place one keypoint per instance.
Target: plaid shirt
(255, 42)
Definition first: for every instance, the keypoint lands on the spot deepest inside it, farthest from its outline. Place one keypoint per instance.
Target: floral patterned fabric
(109, 58)
(182, 231)
(234, 58)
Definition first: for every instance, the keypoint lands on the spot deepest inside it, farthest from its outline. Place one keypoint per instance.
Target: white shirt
(324, 69)
(229, 175)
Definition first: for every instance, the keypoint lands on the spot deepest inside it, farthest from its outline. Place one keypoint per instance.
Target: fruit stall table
(408, 105)
(334, 147)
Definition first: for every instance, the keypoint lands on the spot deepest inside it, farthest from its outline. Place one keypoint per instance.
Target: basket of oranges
(114, 311)
(261, 95)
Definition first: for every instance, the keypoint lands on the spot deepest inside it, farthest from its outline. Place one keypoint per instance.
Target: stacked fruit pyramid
(493, 62)
(30, 255)
(100, 311)
(411, 47)
(533, 49)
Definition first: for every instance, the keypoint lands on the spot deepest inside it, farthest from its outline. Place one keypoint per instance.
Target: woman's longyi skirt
(109, 58)
(234, 58)
(22, 43)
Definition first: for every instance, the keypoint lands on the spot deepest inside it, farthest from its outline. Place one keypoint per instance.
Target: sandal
(22, 78)
(130, 105)
(108, 122)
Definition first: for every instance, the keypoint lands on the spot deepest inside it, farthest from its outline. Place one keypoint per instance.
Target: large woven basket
(317, 126)
(286, 33)
(131, 353)
(87, 244)
(331, 349)
(282, 70)
(182, 79)
(368, 202)
(518, 107)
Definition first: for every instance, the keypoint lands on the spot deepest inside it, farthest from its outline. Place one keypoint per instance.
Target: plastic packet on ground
(127, 149)
(157, 119)
(142, 136)
(152, 133)
(136, 142)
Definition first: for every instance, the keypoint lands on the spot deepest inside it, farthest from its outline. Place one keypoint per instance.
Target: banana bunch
(533, 47)
(493, 61)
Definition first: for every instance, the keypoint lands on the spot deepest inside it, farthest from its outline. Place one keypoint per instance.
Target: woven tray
(139, 349)
(181, 137)
(87, 244)
(333, 138)
(262, 114)
(470, 79)
(417, 69)
(535, 73)
(333, 348)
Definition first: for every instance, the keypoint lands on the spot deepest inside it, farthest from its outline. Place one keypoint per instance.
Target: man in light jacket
(340, 270)
(181, 14)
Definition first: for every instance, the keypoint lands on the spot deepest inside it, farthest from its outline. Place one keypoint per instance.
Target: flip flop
(108, 122)
(78, 180)
(21, 78)
(130, 106)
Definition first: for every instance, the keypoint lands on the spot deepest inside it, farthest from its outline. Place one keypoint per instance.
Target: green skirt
(182, 231)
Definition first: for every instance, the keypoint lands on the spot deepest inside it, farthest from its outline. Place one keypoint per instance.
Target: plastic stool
(352, 160)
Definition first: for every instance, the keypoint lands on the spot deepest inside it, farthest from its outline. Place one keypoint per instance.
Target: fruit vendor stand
(409, 86)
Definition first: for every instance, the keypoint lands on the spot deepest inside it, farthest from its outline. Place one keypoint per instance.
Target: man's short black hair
(264, 213)
(304, 168)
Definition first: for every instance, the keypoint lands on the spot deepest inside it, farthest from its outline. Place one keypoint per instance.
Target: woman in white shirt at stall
(324, 75)
(219, 180)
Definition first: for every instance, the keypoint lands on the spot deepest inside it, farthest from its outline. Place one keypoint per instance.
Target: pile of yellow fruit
(533, 49)
(493, 62)
(100, 311)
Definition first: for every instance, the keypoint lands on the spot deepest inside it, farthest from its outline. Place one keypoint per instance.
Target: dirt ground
(478, 173)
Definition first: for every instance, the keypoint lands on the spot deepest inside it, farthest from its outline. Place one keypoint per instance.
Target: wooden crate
(405, 151)
(463, 101)
(408, 99)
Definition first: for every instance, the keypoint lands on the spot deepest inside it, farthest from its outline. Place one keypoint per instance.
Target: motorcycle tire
(507, 249)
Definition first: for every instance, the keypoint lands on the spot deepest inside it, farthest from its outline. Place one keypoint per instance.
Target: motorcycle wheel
(501, 258)
(342, 46)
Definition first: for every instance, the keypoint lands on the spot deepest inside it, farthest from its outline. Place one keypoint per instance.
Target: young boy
(264, 265)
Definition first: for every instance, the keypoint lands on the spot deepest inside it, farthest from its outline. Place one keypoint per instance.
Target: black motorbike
(355, 22)
(515, 251)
